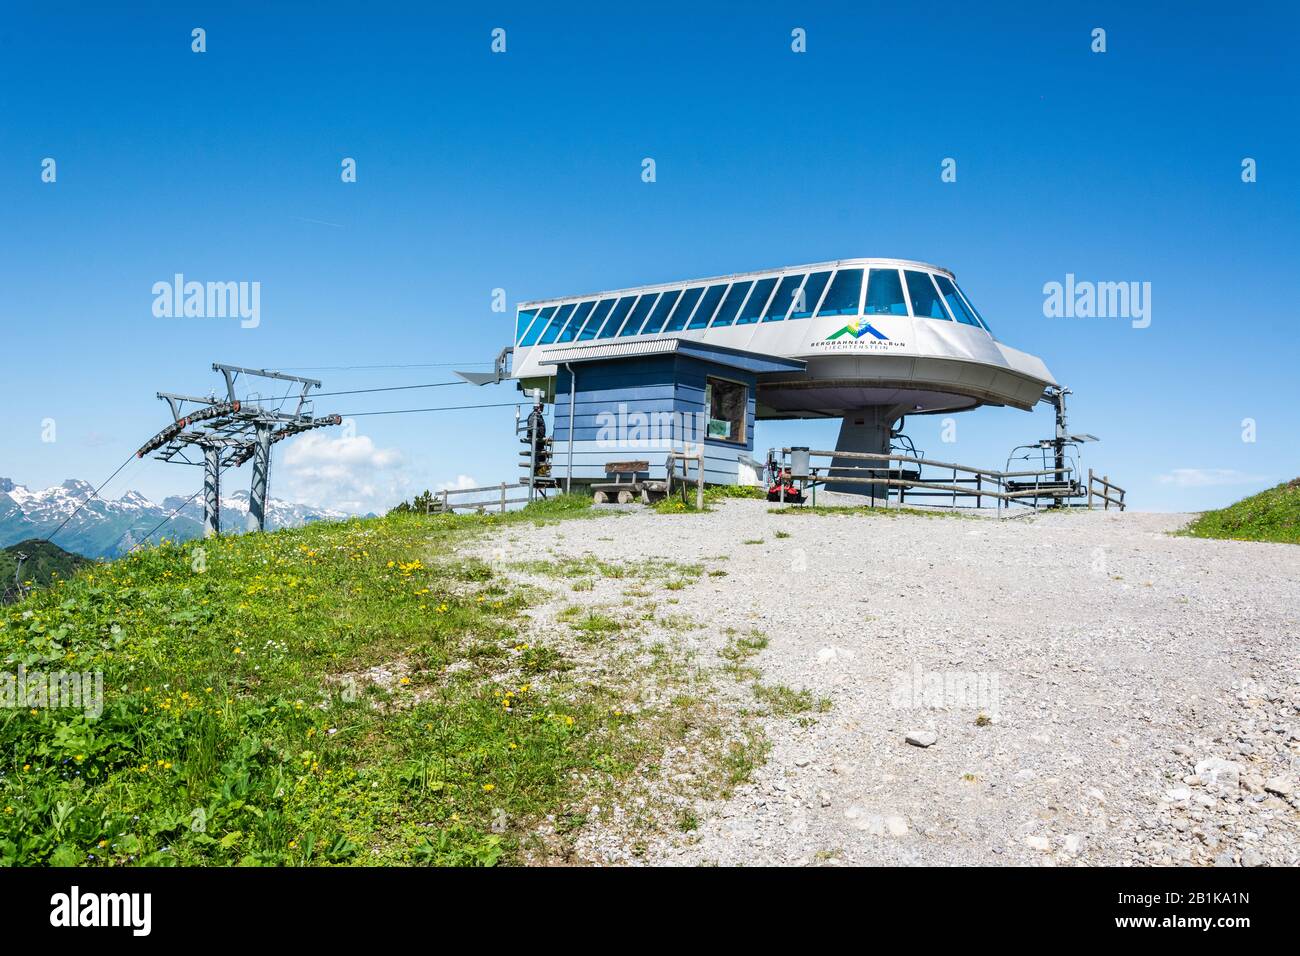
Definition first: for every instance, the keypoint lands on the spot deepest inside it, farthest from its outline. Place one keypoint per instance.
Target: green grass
(1272, 515)
(742, 758)
(712, 494)
(247, 720)
(588, 568)
(723, 492)
(738, 650)
(783, 701)
(589, 624)
(890, 512)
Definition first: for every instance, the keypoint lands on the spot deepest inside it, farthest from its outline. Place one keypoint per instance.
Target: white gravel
(1096, 676)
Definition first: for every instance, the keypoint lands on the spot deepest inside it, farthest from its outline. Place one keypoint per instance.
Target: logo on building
(858, 336)
(858, 328)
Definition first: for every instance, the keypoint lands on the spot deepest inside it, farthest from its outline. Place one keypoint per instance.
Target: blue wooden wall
(654, 386)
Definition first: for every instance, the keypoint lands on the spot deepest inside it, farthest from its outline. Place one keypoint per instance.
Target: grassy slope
(1272, 515)
(239, 725)
(45, 561)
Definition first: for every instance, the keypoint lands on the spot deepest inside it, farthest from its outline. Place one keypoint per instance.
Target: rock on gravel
(1217, 772)
(1280, 786)
(922, 738)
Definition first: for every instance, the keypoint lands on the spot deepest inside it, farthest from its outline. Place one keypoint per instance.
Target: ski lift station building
(635, 373)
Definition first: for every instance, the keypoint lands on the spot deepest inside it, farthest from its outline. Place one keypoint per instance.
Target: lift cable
(93, 494)
(145, 539)
(354, 368)
(443, 408)
(386, 388)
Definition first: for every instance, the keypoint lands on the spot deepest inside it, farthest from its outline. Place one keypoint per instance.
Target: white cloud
(349, 474)
(1209, 477)
(462, 481)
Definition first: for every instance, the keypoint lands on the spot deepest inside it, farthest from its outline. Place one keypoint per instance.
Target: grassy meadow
(350, 693)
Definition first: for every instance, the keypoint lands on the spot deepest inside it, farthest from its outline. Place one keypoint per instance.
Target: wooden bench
(623, 489)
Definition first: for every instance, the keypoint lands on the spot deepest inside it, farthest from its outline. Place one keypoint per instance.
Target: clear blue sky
(522, 171)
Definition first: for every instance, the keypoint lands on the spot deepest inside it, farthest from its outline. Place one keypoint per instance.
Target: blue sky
(522, 171)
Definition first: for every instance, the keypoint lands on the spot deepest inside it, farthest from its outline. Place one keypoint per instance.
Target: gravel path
(1097, 690)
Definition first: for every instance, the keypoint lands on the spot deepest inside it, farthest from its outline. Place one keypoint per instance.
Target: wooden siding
(665, 389)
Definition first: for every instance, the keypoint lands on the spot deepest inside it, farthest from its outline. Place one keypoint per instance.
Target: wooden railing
(1103, 492)
(449, 506)
(1003, 487)
(686, 457)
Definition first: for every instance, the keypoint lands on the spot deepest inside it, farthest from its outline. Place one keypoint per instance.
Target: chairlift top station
(864, 340)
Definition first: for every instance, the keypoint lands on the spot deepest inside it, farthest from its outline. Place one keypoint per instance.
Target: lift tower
(229, 431)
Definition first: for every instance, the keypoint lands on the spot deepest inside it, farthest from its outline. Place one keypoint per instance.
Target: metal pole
(573, 400)
(1105, 481)
(257, 495)
(503, 497)
(532, 459)
(780, 478)
(211, 490)
(699, 484)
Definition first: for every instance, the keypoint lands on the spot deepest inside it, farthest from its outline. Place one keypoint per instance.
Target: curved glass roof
(847, 287)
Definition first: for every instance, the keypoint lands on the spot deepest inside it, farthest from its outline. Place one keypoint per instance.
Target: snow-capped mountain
(111, 528)
(234, 512)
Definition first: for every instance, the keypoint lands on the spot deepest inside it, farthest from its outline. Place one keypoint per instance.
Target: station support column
(211, 490)
(866, 430)
(257, 494)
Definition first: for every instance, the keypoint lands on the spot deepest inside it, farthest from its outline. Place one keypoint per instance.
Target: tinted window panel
(971, 305)
(616, 317)
(885, 294)
(575, 323)
(539, 324)
(753, 306)
(809, 295)
(955, 305)
(596, 320)
(557, 324)
(661, 312)
(634, 321)
(925, 297)
(784, 298)
(731, 304)
(845, 290)
(708, 305)
(683, 311)
(522, 321)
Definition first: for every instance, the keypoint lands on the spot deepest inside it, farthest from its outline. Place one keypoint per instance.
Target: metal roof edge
(644, 348)
(735, 276)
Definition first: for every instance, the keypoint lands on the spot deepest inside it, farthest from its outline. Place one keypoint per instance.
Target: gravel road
(1081, 688)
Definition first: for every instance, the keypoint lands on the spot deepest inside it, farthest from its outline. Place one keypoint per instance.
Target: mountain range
(110, 528)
